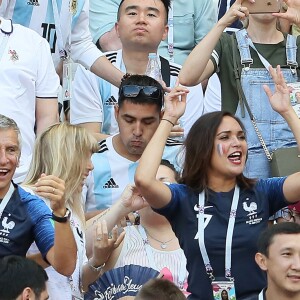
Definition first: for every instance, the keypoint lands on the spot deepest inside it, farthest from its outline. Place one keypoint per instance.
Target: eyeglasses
(132, 91)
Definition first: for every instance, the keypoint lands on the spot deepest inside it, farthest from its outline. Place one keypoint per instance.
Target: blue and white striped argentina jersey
(38, 15)
(112, 172)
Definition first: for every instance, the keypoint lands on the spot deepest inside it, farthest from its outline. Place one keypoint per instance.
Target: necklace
(163, 245)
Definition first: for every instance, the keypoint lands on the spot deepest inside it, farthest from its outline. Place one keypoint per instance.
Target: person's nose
(296, 262)
(235, 142)
(141, 18)
(3, 157)
(138, 130)
(90, 165)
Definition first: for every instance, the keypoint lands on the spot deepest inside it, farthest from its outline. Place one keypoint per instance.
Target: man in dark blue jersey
(25, 218)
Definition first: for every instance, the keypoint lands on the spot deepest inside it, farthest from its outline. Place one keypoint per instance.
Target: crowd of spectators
(114, 185)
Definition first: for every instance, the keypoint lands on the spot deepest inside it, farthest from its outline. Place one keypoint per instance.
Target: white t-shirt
(38, 15)
(26, 72)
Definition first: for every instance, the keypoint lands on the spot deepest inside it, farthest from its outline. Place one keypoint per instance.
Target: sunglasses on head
(132, 91)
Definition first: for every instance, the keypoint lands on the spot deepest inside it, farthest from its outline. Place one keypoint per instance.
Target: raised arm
(62, 255)
(198, 65)
(280, 101)
(154, 191)
(86, 53)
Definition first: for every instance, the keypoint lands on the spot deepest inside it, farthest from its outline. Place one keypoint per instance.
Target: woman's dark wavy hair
(198, 148)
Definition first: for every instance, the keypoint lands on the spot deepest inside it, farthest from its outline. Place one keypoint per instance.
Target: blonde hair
(62, 150)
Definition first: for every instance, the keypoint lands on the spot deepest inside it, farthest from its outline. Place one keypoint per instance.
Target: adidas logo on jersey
(110, 184)
(111, 101)
(33, 2)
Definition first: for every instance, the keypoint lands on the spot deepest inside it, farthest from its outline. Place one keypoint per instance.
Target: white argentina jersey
(39, 16)
(112, 172)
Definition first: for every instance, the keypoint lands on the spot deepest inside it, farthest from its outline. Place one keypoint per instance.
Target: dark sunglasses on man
(132, 91)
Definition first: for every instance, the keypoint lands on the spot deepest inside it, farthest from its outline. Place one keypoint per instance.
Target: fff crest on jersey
(251, 209)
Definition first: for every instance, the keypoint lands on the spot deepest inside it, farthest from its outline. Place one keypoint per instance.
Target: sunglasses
(132, 91)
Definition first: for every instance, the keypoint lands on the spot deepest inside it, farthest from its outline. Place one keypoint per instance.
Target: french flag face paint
(220, 149)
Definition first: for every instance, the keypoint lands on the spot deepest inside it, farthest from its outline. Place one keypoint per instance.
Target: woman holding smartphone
(255, 48)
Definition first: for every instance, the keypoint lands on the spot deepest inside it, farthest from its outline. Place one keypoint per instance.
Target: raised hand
(280, 99)
(235, 12)
(52, 188)
(104, 243)
(131, 199)
(175, 103)
(293, 12)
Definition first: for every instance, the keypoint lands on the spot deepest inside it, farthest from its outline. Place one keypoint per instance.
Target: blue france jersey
(254, 209)
(25, 219)
(112, 172)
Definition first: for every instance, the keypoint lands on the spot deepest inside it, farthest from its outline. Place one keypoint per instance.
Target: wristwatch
(63, 219)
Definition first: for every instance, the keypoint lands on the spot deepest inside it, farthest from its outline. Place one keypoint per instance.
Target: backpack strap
(165, 70)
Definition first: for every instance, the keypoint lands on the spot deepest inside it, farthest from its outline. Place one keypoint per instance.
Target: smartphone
(262, 6)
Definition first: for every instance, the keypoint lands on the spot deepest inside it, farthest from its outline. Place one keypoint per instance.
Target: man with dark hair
(279, 255)
(138, 114)
(22, 279)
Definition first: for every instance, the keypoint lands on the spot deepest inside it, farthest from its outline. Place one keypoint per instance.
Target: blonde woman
(62, 161)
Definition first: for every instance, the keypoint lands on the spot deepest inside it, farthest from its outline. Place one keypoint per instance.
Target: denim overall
(272, 126)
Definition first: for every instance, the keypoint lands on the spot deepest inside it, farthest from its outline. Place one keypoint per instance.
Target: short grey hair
(8, 123)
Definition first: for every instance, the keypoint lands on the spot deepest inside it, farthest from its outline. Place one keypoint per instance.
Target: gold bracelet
(168, 121)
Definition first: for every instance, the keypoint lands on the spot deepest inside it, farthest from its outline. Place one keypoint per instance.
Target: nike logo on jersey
(110, 184)
(33, 2)
(111, 101)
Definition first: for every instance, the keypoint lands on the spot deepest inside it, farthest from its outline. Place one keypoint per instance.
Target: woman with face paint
(215, 211)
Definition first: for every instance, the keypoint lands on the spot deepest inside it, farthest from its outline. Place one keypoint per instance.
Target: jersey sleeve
(272, 188)
(47, 81)
(172, 208)
(86, 105)
(83, 49)
(216, 55)
(43, 227)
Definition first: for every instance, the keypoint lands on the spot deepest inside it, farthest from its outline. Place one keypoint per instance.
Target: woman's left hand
(280, 99)
(53, 189)
(105, 243)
